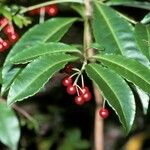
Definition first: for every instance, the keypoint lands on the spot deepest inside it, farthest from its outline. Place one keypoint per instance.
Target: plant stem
(23, 112)
(88, 52)
(26, 115)
(48, 3)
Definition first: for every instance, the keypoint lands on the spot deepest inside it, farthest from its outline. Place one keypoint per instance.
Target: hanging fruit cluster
(72, 87)
(10, 33)
(83, 93)
(51, 10)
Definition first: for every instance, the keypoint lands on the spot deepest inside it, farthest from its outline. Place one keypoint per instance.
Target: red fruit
(35, 11)
(84, 90)
(1, 47)
(8, 29)
(87, 96)
(6, 44)
(104, 113)
(52, 10)
(13, 37)
(67, 81)
(3, 22)
(71, 89)
(79, 100)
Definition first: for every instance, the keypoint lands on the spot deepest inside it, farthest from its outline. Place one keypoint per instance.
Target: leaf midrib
(123, 67)
(61, 61)
(148, 35)
(48, 52)
(67, 22)
(115, 96)
(50, 35)
(109, 25)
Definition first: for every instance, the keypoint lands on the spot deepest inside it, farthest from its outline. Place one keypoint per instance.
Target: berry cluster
(9, 32)
(51, 10)
(83, 93)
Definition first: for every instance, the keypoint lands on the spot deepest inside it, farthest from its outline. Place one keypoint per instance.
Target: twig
(22, 112)
(98, 129)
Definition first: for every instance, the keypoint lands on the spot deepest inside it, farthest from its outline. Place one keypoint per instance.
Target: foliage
(9, 134)
(121, 62)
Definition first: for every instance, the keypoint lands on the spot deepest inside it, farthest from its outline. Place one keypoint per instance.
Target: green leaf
(142, 34)
(130, 3)
(0, 75)
(118, 37)
(39, 33)
(79, 9)
(144, 98)
(97, 46)
(35, 75)
(4, 10)
(9, 127)
(116, 91)
(130, 69)
(146, 19)
(18, 21)
(42, 49)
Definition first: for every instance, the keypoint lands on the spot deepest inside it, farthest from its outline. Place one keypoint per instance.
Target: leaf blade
(118, 37)
(118, 94)
(35, 75)
(42, 49)
(142, 35)
(132, 71)
(34, 36)
(6, 130)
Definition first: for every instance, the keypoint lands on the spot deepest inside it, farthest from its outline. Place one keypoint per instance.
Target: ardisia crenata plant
(115, 56)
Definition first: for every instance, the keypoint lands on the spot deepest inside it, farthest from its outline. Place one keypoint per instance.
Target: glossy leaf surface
(42, 49)
(114, 33)
(130, 69)
(9, 127)
(116, 91)
(39, 33)
(144, 98)
(35, 75)
(142, 34)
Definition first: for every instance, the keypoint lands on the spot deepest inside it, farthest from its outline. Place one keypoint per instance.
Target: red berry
(104, 113)
(52, 10)
(4, 22)
(79, 100)
(84, 90)
(87, 96)
(67, 81)
(13, 37)
(1, 47)
(35, 11)
(8, 29)
(6, 44)
(71, 89)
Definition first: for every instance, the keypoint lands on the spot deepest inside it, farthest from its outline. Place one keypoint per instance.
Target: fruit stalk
(88, 52)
